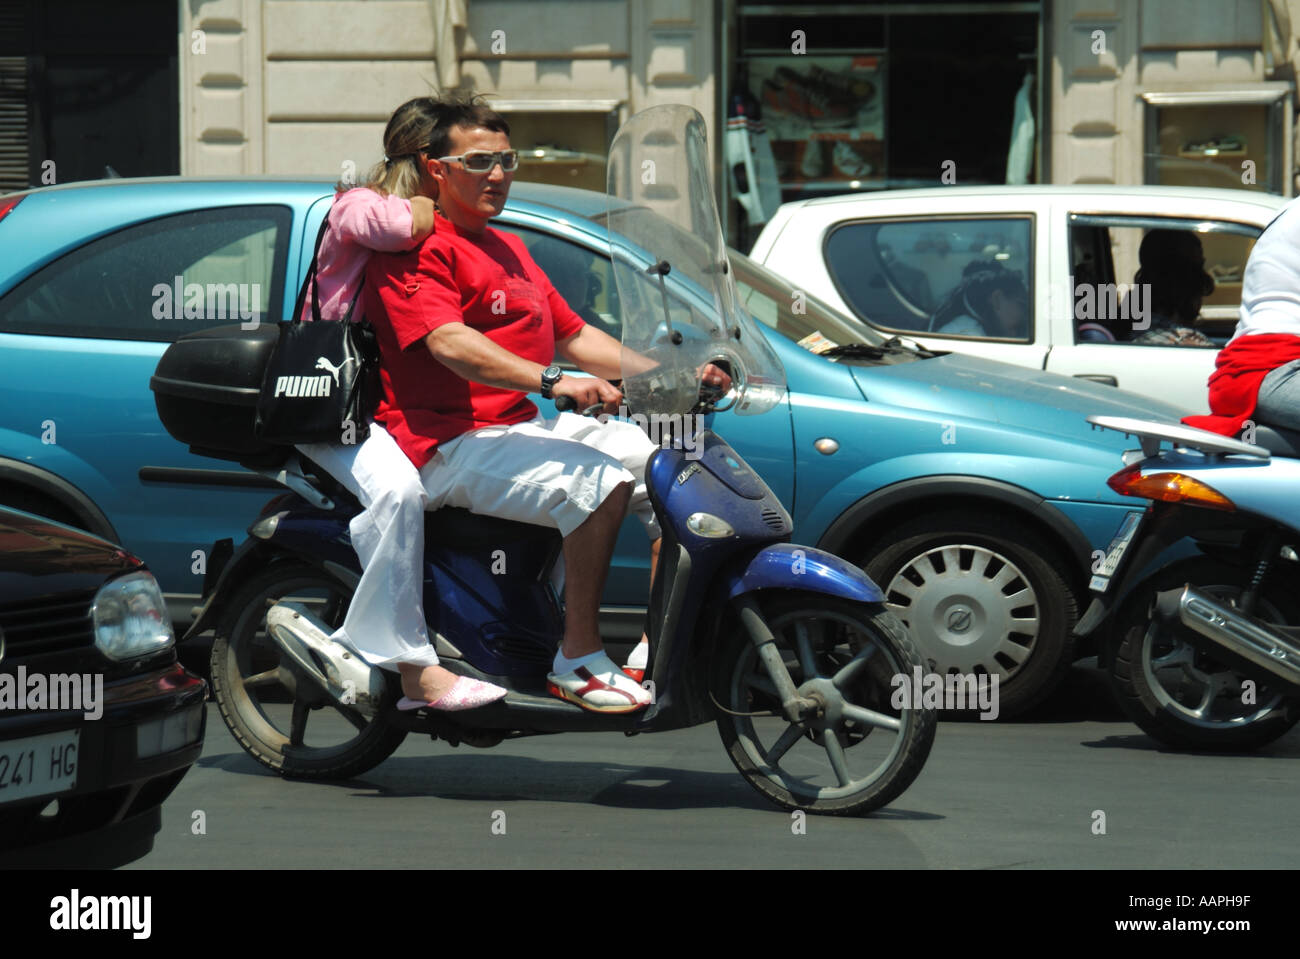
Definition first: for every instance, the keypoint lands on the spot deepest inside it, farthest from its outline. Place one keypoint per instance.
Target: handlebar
(708, 398)
(566, 404)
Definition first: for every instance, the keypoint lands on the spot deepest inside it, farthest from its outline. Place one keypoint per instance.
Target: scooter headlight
(709, 526)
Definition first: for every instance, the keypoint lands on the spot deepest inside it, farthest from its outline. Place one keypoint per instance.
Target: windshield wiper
(911, 346)
(878, 351)
(857, 350)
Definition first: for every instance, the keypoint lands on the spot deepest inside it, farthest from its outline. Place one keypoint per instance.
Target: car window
(584, 279)
(160, 279)
(1192, 284)
(959, 277)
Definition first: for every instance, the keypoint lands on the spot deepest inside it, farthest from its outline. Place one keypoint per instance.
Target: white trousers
(548, 472)
(385, 621)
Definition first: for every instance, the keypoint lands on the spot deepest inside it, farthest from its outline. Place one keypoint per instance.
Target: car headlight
(130, 617)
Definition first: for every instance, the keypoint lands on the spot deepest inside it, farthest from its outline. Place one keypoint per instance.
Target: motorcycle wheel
(1182, 696)
(256, 695)
(864, 752)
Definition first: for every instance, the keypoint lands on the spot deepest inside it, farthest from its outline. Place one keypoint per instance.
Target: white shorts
(547, 472)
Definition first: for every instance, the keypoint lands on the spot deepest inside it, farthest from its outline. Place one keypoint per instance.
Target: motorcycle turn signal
(1168, 488)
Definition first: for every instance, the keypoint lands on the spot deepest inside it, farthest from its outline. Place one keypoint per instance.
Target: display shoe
(774, 99)
(810, 164)
(847, 86)
(847, 162)
(815, 101)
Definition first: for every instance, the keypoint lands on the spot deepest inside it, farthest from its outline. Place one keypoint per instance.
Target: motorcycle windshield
(675, 285)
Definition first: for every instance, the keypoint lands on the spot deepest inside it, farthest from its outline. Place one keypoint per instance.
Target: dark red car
(98, 720)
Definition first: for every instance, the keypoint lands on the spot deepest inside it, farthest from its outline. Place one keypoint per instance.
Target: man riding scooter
(468, 325)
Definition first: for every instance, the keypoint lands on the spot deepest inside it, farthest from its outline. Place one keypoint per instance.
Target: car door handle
(1098, 378)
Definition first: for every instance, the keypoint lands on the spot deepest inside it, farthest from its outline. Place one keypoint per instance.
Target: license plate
(1100, 581)
(38, 765)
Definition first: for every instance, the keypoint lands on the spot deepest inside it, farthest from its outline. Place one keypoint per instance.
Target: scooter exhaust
(1242, 641)
(344, 675)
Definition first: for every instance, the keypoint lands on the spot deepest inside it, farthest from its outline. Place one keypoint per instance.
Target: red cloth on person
(489, 283)
(1239, 370)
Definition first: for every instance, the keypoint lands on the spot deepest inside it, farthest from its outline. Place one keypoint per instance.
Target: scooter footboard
(785, 566)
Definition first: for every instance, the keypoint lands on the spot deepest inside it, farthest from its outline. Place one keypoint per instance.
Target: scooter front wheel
(256, 693)
(856, 752)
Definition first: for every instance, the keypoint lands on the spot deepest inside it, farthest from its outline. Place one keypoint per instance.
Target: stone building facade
(1087, 91)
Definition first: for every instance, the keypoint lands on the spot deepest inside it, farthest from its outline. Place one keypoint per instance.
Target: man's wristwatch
(550, 376)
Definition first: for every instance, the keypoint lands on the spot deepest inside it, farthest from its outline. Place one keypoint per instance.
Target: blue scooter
(1203, 652)
(790, 650)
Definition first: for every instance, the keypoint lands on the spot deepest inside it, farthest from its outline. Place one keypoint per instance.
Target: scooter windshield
(676, 292)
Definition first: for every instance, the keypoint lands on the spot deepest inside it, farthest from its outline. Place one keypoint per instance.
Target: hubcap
(968, 608)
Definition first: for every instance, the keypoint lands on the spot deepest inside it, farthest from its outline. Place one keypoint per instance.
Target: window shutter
(14, 121)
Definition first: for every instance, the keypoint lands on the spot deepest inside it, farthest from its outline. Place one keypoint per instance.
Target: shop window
(884, 97)
(559, 143)
(1234, 139)
(88, 90)
(953, 277)
(825, 117)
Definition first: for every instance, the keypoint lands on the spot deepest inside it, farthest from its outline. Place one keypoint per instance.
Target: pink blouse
(360, 221)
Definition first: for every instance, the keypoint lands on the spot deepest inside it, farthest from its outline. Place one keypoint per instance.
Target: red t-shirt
(489, 283)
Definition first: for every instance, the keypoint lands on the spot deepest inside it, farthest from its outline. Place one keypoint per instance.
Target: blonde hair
(401, 173)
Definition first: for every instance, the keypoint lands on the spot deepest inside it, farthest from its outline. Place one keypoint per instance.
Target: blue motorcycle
(788, 649)
(1203, 651)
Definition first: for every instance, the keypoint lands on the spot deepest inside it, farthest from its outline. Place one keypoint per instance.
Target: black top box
(206, 387)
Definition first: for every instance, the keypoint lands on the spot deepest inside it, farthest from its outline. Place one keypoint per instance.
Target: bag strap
(355, 296)
(311, 279)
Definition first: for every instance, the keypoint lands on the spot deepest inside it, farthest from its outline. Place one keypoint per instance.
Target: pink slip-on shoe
(465, 693)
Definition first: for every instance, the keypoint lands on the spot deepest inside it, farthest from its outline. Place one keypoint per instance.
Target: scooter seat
(1278, 441)
(453, 526)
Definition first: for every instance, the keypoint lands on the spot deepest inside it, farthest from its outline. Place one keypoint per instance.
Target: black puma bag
(322, 380)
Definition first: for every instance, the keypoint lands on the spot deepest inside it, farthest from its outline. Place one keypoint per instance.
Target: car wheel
(980, 595)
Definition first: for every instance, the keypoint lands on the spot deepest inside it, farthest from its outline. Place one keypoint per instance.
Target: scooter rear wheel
(1186, 698)
(256, 693)
(863, 752)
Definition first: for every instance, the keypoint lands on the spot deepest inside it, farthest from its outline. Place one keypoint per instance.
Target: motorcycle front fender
(785, 566)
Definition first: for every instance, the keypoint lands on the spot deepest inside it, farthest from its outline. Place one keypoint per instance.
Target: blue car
(972, 491)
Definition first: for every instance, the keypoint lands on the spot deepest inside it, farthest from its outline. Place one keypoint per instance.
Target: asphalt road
(1024, 794)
